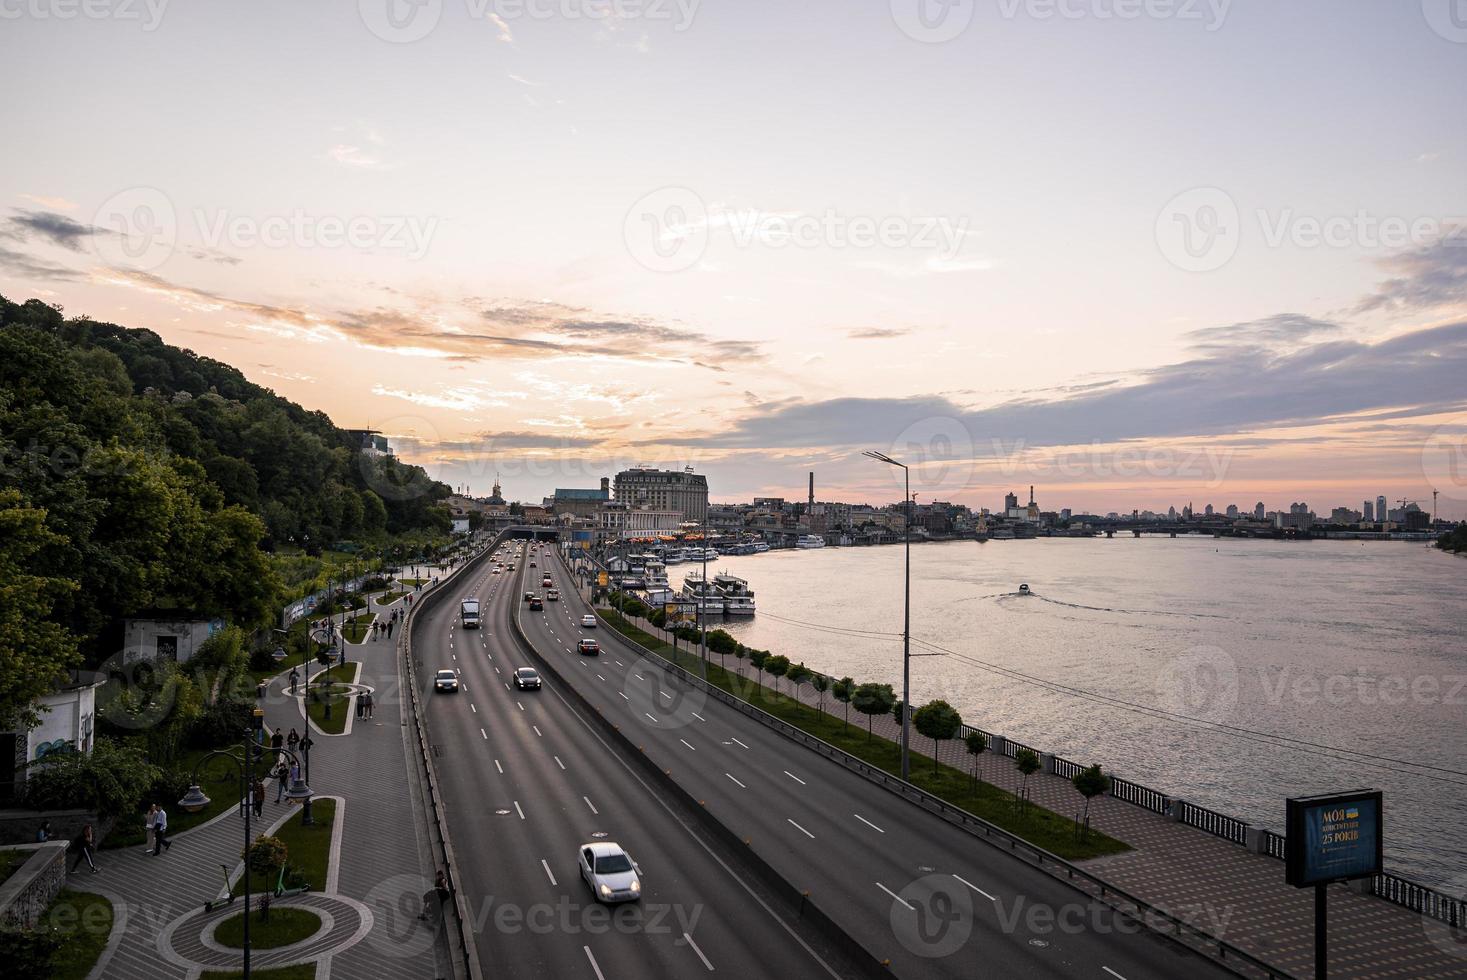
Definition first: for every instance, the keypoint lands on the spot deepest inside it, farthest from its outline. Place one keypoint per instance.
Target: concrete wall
(25, 895)
(20, 826)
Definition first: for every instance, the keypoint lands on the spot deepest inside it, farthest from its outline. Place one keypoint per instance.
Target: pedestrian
(361, 700)
(277, 741)
(295, 678)
(294, 775)
(84, 843)
(258, 797)
(435, 899)
(282, 776)
(43, 834)
(292, 740)
(371, 703)
(160, 831)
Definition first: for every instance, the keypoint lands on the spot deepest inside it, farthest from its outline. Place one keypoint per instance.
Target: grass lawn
(85, 921)
(219, 781)
(389, 598)
(285, 926)
(411, 582)
(356, 628)
(341, 705)
(307, 849)
(10, 862)
(303, 971)
(1052, 831)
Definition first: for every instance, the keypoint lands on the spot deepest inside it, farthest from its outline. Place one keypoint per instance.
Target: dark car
(527, 678)
(589, 647)
(536, 603)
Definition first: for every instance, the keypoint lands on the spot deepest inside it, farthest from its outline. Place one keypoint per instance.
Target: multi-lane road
(526, 779)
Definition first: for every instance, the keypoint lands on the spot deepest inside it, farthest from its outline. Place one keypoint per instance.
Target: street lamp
(195, 800)
(906, 606)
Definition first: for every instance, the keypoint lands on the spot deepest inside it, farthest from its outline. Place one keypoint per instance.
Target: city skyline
(1275, 309)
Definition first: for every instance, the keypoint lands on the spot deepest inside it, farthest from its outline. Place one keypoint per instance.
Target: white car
(445, 681)
(611, 872)
(588, 621)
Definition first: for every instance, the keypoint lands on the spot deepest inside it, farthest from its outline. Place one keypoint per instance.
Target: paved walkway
(381, 863)
(1211, 882)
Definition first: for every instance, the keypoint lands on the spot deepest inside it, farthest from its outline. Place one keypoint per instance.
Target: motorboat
(738, 598)
(807, 541)
(1024, 589)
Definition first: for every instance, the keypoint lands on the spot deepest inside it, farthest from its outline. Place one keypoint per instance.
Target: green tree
(873, 699)
(267, 855)
(111, 780)
(1027, 762)
(977, 744)
(777, 666)
(798, 675)
(939, 721)
(35, 651)
(821, 683)
(1090, 782)
(843, 690)
(759, 658)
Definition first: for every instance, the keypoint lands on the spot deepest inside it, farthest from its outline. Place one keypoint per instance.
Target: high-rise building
(1368, 510)
(680, 490)
(1010, 501)
(1381, 513)
(1259, 511)
(1207, 511)
(1233, 511)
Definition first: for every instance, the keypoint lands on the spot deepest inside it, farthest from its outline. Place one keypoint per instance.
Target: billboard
(1334, 838)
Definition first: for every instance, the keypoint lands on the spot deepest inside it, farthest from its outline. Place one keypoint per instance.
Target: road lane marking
(472, 708)
(794, 777)
(548, 873)
(1113, 973)
(699, 717)
(894, 895)
(740, 743)
(650, 718)
(868, 823)
(800, 829)
(698, 951)
(685, 742)
(558, 762)
(978, 890)
(623, 695)
(599, 975)
(485, 734)
(499, 767)
(742, 786)
(537, 731)
(620, 664)
(591, 805)
(639, 677)
(518, 810)
(521, 704)
(600, 678)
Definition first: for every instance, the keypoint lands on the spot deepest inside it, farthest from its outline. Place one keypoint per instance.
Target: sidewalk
(380, 867)
(1205, 880)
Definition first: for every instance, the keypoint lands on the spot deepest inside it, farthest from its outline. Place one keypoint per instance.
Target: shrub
(111, 780)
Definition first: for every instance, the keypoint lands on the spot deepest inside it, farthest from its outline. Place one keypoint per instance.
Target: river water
(1341, 645)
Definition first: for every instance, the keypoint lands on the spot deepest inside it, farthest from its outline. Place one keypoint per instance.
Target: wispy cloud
(354, 156)
(505, 34)
(1428, 277)
(58, 229)
(50, 202)
(878, 333)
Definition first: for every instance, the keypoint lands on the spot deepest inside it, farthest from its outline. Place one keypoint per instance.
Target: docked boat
(704, 596)
(738, 598)
(654, 576)
(810, 541)
(760, 547)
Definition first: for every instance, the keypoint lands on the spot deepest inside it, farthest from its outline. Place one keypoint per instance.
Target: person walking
(257, 796)
(292, 740)
(149, 841)
(160, 831)
(282, 777)
(83, 845)
(361, 700)
(295, 679)
(277, 741)
(371, 703)
(437, 897)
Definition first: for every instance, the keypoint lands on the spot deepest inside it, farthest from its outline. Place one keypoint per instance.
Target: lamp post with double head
(906, 606)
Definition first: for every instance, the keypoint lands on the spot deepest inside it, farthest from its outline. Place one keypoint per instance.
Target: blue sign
(1335, 838)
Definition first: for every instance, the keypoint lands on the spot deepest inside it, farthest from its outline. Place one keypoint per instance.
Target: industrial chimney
(812, 489)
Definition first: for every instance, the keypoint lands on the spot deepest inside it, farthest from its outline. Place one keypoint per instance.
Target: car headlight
(636, 887)
(605, 891)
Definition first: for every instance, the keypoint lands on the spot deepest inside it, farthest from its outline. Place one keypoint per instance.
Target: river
(1350, 645)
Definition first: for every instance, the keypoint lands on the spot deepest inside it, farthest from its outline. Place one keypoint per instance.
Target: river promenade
(1214, 884)
(381, 862)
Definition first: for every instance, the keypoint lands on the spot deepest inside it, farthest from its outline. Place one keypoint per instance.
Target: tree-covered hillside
(141, 475)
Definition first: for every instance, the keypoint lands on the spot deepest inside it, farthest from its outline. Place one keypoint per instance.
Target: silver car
(611, 872)
(445, 680)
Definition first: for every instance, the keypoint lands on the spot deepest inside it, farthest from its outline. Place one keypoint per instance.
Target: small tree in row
(873, 699)
(977, 744)
(939, 721)
(1091, 782)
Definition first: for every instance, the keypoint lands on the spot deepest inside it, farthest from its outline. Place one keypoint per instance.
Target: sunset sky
(1209, 253)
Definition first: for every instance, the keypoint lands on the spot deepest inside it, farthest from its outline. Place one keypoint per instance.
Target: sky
(1137, 253)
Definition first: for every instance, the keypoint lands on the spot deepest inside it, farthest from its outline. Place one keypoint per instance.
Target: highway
(912, 888)
(526, 781)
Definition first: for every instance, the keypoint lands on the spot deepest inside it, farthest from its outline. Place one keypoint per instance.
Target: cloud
(1423, 278)
(878, 333)
(33, 268)
(1280, 331)
(53, 203)
(505, 34)
(536, 440)
(354, 156)
(58, 229)
(523, 81)
(1221, 391)
(464, 398)
(204, 254)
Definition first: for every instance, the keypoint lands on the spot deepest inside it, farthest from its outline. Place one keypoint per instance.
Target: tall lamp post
(194, 800)
(906, 607)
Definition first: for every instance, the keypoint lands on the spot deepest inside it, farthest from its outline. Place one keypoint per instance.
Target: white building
(165, 639)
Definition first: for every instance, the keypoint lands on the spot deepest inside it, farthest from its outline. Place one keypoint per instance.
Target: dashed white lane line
(620, 664)
(694, 947)
(485, 734)
(472, 708)
(591, 805)
(600, 678)
(742, 786)
(894, 895)
(558, 762)
(518, 810)
(699, 717)
(800, 829)
(980, 891)
(507, 687)
(548, 873)
(794, 777)
(868, 823)
(638, 676)
(521, 704)
(687, 743)
(650, 718)
(597, 969)
(738, 742)
(537, 731)
(623, 695)
(1113, 973)
(666, 695)
(499, 767)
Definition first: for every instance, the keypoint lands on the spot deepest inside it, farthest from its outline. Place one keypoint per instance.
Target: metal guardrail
(1220, 824)
(1067, 769)
(1419, 898)
(1275, 845)
(467, 949)
(1233, 957)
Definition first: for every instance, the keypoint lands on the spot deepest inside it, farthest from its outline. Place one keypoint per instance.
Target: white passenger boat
(810, 541)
